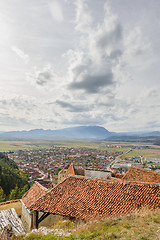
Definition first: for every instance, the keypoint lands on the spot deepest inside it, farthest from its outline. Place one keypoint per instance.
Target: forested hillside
(13, 182)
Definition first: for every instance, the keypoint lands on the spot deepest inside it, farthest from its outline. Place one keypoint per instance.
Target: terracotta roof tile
(90, 198)
(141, 175)
(36, 191)
(113, 178)
(117, 175)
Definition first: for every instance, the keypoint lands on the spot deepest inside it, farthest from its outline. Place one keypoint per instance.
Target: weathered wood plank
(10, 217)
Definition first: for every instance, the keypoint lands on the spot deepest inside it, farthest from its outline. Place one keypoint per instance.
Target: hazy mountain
(83, 132)
(134, 134)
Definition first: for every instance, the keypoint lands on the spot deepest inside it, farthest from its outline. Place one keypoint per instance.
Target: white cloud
(21, 54)
(92, 68)
(83, 18)
(135, 43)
(105, 62)
(43, 77)
(55, 9)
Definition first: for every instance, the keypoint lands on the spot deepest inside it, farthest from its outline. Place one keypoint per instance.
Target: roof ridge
(139, 174)
(64, 179)
(9, 202)
(37, 183)
(108, 180)
(127, 171)
(40, 185)
(91, 198)
(143, 169)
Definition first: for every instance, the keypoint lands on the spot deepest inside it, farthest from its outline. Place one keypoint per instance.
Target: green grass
(153, 153)
(144, 225)
(35, 144)
(16, 145)
(27, 145)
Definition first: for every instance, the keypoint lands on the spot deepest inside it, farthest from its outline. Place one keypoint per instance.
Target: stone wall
(27, 218)
(97, 174)
(61, 174)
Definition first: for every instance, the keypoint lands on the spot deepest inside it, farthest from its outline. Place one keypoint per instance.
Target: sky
(67, 63)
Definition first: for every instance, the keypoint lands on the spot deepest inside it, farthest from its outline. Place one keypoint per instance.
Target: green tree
(2, 195)
(15, 194)
(23, 191)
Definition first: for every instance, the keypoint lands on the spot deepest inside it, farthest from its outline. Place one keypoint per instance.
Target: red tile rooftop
(90, 198)
(141, 175)
(36, 191)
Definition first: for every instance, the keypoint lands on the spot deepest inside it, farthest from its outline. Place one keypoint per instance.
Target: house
(86, 197)
(89, 198)
(31, 196)
(141, 175)
(74, 170)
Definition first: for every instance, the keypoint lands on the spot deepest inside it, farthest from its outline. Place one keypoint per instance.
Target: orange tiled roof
(141, 175)
(114, 179)
(117, 175)
(90, 198)
(36, 191)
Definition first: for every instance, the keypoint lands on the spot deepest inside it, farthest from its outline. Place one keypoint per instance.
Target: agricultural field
(16, 145)
(28, 145)
(151, 153)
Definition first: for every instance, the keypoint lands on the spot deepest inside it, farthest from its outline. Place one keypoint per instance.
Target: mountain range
(82, 132)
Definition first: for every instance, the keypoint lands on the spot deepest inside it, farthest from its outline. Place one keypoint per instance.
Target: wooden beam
(37, 219)
(43, 217)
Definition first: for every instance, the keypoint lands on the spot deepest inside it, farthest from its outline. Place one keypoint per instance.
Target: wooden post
(37, 219)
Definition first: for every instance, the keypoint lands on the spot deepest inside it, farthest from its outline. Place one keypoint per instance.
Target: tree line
(13, 181)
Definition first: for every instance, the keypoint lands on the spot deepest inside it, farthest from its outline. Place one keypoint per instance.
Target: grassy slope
(144, 225)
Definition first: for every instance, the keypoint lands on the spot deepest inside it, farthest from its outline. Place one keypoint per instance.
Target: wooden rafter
(41, 218)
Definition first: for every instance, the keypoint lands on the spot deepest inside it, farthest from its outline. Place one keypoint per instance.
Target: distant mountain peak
(80, 132)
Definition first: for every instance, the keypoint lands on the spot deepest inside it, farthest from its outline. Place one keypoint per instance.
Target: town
(42, 163)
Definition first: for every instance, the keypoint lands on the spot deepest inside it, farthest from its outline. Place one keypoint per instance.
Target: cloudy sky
(80, 62)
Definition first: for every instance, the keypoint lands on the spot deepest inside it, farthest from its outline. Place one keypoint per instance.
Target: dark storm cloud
(93, 83)
(70, 107)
